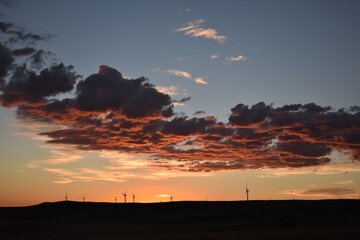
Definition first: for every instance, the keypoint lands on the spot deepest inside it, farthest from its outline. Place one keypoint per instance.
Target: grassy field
(296, 219)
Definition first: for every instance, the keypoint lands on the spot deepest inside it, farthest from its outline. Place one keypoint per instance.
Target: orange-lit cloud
(178, 73)
(200, 80)
(237, 59)
(130, 116)
(194, 29)
(170, 90)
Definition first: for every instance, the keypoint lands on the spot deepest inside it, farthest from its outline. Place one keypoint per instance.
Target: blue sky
(280, 52)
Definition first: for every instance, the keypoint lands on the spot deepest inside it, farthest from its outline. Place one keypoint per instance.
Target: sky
(190, 99)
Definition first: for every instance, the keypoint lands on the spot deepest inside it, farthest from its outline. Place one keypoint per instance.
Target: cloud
(8, 3)
(199, 113)
(187, 10)
(21, 80)
(256, 137)
(214, 56)
(237, 59)
(200, 80)
(178, 73)
(23, 51)
(193, 29)
(59, 157)
(181, 102)
(179, 58)
(109, 112)
(325, 192)
(170, 90)
(335, 167)
(28, 86)
(162, 195)
(108, 90)
(344, 182)
(6, 61)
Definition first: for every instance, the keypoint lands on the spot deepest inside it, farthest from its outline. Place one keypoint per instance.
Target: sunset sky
(190, 98)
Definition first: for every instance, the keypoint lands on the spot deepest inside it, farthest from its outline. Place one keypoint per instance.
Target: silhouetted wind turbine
(171, 197)
(133, 198)
(125, 196)
(66, 196)
(247, 192)
(115, 199)
(83, 198)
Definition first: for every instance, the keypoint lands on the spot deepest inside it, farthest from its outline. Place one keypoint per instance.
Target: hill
(295, 219)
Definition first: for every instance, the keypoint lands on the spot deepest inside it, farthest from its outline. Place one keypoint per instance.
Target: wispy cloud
(214, 56)
(237, 59)
(344, 182)
(333, 168)
(178, 73)
(324, 192)
(187, 10)
(200, 80)
(179, 104)
(59, 155)
(194, 29)
(162, 195)
(120, 167)
(179, 58)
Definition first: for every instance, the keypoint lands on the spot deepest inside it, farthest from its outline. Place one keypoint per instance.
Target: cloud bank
(108, 112)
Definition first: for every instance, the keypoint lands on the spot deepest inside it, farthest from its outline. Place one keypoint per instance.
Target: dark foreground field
(326, 219)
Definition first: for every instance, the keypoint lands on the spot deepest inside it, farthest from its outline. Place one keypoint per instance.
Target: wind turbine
(171, 197)
(83, 198)
(133, 198)
(66, 196)
(247, 192)
(115, 199)
(125, 196)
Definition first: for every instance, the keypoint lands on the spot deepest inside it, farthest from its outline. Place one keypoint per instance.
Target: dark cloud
(8, 3)
(18, 35)
(303, 148)
(5, 27)
(296, 162)
(108, 90)
(183, 100)
(242, 115)
(23, 51)
(28, 86)
(199, 113)
(16, 49)
(185, 127)
(6, 62)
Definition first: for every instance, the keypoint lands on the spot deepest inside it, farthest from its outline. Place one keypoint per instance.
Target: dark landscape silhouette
(288, 219)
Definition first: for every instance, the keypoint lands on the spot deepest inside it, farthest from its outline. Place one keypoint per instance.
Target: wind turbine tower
(125, 196)
(247, 192)
(171, 197)
(133, 198)
(115, 199)
(66, 196)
